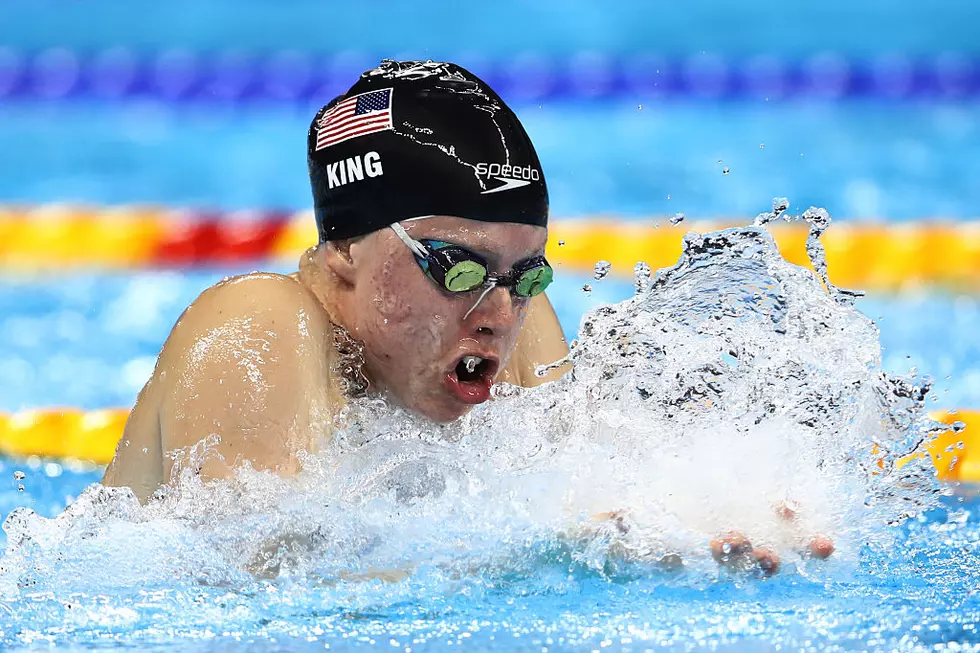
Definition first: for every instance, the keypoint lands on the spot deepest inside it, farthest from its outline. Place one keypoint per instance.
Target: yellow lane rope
(93, 435)
(874, 256)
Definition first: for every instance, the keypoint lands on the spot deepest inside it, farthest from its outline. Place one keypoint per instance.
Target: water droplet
(726, 548)
(725, 171)
(762, 146)
(641, 277)
(587, 288)
(958, 426)
(20, 488)
(601, 269)
(668, 195)
(561, 243)
(19, 475)
(146, 450)
(676, 219)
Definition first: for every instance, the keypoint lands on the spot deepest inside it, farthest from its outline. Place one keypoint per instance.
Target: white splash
(729, 384)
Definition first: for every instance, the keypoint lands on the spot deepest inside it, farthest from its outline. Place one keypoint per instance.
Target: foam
(730, 383)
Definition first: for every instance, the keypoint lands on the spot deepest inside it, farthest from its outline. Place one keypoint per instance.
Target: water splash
(819, 220)
(730, 384)
(601, 269)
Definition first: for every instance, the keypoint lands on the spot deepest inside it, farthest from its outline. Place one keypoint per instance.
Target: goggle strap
(417, 248)
(490, 286)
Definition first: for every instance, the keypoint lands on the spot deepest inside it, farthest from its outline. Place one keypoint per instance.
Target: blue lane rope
(284, 76)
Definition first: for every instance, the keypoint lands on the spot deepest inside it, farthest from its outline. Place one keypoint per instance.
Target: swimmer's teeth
(470, 362)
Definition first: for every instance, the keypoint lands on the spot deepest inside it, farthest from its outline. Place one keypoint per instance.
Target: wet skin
(251, 366)
(415, 333)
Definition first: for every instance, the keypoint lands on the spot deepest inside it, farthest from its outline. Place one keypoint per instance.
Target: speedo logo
(354, 169)
(510, 176)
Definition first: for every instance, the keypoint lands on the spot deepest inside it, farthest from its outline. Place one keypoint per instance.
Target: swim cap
(415, 138)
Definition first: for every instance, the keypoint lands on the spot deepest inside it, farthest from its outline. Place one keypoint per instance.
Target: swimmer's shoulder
(272, 315)
(249, 363)
(274, 300)
(251, 352)
(541, 341)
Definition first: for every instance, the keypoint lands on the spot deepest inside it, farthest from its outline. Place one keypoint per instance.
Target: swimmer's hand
(817, 546)
(736, 552)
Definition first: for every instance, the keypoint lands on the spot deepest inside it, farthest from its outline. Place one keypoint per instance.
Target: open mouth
(471, 378)
(472, 368)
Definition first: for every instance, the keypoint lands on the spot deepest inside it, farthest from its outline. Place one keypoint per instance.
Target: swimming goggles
(458, 270)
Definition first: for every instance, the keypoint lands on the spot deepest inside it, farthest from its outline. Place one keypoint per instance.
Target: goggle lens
(459, 270)
(534, 281)
(465, 276)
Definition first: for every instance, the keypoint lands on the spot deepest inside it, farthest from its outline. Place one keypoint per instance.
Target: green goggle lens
(533, 282)
(459, 270)
(465, 276)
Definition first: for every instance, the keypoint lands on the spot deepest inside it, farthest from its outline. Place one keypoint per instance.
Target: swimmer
(427, 286)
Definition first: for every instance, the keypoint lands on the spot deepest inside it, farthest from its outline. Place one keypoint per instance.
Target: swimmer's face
(416, 334)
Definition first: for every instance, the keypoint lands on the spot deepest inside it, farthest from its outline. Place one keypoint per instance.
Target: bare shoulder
(263, 299)
(248, 364)
(540, 342)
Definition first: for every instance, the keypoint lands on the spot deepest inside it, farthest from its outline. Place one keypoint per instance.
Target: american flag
(356, 116)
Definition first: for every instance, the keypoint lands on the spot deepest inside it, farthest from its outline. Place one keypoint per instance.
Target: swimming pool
(914, 587)
(919, 593)
(871, 160)
(639, 114)
(90, 340)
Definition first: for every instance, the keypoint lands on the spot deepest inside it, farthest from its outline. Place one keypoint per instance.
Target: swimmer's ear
(338, 258)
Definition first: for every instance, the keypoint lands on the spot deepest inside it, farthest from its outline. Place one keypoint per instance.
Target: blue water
(444, 28)
(917, 593)
(91, 340)
(859, 160)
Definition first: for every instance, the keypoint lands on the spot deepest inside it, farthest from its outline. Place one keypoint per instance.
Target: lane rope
(71, 434)
(174, 75)
(871, 256)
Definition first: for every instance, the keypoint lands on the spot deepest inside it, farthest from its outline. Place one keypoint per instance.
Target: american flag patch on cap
(356, 116)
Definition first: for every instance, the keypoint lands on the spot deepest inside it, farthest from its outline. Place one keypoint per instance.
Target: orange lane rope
(874, 256)
(93, 435)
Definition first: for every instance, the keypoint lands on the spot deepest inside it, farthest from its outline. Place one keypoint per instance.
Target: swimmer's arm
(138, 461)
(540, 342)
(243, 377)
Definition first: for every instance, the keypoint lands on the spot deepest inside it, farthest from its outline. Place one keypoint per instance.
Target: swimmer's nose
(496, 313)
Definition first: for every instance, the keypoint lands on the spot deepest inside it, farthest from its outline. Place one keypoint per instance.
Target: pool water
(920, 593)
(86, 569)
(621, 157)
(91, 340)
(107, 574)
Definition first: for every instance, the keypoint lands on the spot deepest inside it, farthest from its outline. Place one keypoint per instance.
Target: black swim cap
(417, 138)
